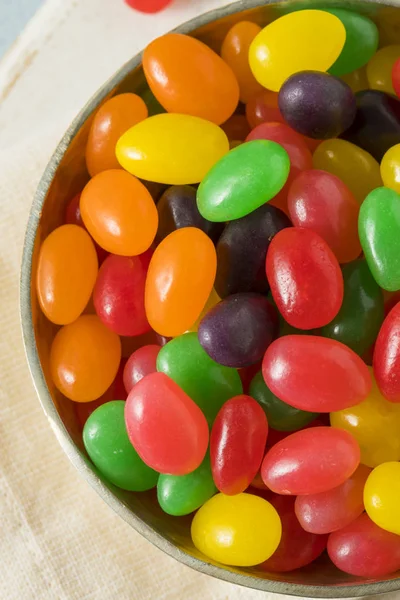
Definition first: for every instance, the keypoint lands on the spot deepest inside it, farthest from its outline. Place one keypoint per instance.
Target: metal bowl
(65, 175)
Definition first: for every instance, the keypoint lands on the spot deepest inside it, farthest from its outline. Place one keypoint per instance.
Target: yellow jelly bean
(390, 168)
(172, 148)
(382, 496)
(379, 69)
(242, 530)
(353, 165)
(357, 80)
(302, 40)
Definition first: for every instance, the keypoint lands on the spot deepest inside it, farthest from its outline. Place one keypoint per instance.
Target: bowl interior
(65, 176)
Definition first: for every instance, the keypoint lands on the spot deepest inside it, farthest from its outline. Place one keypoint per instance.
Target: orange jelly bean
(187, 77)
(119, 213)
(84, 359)
(235, 52)
(66, 274)
(116, 116)
(179, 280)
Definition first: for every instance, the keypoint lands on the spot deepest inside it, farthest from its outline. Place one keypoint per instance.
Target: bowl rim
(57, 425)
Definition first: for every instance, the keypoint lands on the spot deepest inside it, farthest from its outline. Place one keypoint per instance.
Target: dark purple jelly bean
(177, 208)
(376, 127)
(316, 104)
(242, 248)
(238, 330)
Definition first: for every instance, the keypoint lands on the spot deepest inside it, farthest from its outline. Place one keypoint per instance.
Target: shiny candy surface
(241, 530)
(315, 374)
(142, 362)
(396, 77)
(148, 6)
(382, 495)
(73, 217)
(172, 148)
(390, 168)
(379, 68)
(262, 108)
(179, 280)
(386, 359)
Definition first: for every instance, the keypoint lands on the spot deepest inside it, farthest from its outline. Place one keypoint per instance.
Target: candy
(310, 461)
(167, 429)
(84, 359)
(179, 280)
(148, 6)
(379, 69)
(106, 441)
(241, 530)
(73, 217)
(187, 77)
(279, 50)
(66, 273)
(238, 330)
(172, 148)
(237, 444)
(207, 383)
(315, 374)
(244, 179)
(357, 80)
(390, 168)
(305, 278)
(396, 77)
(381, 496)
(142, 362)
(263, 107)
(236, 128)
(387, 356)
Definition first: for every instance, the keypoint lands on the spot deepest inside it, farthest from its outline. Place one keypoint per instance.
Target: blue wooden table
(14, 15)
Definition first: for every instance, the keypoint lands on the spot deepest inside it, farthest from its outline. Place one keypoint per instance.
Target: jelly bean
(179, 280)
(396, 77)
(379, 69)
(315, 374)
(382, 495)
(236, 128)
(305, 278)
(376, 127)
(374, 423)
(334, 509)
(281, 416)
(242, 248)
(148, 6)
(238, 330)
(241, 530)
(180, 495)
(235, 52)
(263, 108)
(142, 362)
(113, 118)
(119, 213)
(390, 168)
(173, 149)
(361, 315)
(213, 299)
(177, 208)
(119, 295)
(237, 444)
(243, 180)
(355, 167)
(247, 375)
(84, 359)
(167, 429)
(187, 77)
(209, 384)
(66, 273)
(364, 550)
(107, 443)
(73, 217)
(320, 201)
(362, 38)
(387, 356)
(379, 229)
(310, 461)
(317, 105)
(297, 547)
(279, 50)
(357, 80)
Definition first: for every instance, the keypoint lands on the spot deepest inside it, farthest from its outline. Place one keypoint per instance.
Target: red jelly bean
(310, 461)
(141, 363)
(263, 108)
(148, 6)
(119, 294)
(305, 278)
(237, 444)
(396, 77)
(315, 373)
(386, 361)
(364, 549)
(297, 547)
(166, 428)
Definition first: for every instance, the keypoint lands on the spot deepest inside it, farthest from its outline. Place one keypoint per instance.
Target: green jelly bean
(208, 384)
(107, 443)
(362, 39)
(180, 495)
(379, 231)
(242, 180)
(358, 322)
(280, 415)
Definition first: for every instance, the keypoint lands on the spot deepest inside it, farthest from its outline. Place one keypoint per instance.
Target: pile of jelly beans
(226, 291)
